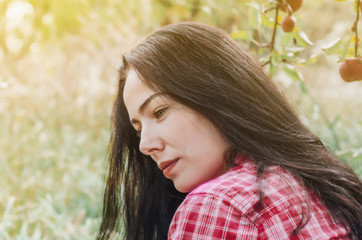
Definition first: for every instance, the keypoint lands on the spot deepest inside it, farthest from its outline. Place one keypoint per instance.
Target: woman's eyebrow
(145, 103)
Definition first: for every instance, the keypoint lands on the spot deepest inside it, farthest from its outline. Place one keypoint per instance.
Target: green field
(58, 74)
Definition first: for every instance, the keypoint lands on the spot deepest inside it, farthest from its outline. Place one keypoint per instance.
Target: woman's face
(184, 144)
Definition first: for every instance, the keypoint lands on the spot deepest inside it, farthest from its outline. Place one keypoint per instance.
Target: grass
(53, 152)
(56, 94)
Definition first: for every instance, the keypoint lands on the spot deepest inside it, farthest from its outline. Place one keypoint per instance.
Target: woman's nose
(150, 142)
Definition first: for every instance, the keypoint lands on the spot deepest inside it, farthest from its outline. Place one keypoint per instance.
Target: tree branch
(271, 46)
(355, 29)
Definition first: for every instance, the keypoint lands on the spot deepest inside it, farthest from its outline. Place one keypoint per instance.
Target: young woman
(206, 147)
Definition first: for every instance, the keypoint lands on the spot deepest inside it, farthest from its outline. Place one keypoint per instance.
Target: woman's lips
(167, 166)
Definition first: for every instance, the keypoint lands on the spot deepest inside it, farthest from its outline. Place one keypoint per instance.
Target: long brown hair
(204, 69)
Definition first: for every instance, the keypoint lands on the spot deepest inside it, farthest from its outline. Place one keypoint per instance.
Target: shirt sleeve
(206, 216)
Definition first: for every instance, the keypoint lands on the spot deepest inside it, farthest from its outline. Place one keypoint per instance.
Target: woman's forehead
(132, 85)
(135, 92)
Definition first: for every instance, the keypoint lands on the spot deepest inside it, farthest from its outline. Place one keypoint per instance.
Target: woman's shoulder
(236, 181)
(241, 188)
(273, 205)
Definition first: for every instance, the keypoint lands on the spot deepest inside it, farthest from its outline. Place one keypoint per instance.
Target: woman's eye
(158, 113)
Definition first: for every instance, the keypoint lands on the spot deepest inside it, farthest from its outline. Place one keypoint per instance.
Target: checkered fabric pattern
(227, 208)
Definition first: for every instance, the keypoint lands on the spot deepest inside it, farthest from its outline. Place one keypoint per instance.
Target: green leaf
(266, 21)
(293, 73)
(272, 69)
(303, 87)
(246, 35)
(335, 121)
(333, 47)
(287, 39)
(311, 60)
(302, 39)
(276, 57)
(287, 57)
(345, 48)
(265, 59)
(254, 15)
(295, 50)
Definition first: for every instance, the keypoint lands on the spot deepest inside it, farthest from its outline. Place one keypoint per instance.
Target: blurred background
(58, 78)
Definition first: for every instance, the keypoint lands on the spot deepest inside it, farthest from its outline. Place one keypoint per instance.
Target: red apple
(294, 5)
(351, 69)
(288, 23)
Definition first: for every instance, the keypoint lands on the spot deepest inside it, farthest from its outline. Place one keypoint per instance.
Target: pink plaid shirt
(225, 208)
